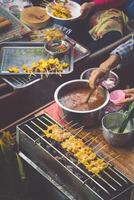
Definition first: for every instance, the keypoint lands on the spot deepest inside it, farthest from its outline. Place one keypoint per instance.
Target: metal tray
(19, 53)
(19, 82)
(80, 52)
(15, 30)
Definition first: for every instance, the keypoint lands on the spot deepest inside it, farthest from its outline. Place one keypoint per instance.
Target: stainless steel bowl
(86, 118)
(50, 47)
(86, 74)
(114, 120)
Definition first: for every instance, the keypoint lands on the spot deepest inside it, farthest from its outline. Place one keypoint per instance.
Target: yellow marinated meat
(60, 11)
(96, 166)
(73, 144)
(42, 66)
(57, 133)
(53, 34)
(86, 158)
(13, 69)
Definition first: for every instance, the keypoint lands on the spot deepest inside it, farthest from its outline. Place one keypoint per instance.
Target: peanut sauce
(76, 99)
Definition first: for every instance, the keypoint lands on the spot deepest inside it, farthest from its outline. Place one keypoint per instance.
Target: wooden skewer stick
(85, 136)
(60, 74)
(112, 160)
(73, 125)
(98, 144)
(79, 130)
(67, 124)
(91, 141)
(107, 156)
(101, 148)
(61, 118)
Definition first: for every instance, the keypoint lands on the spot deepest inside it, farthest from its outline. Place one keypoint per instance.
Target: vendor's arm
(120, 53)
(88, 6)
(110, 3)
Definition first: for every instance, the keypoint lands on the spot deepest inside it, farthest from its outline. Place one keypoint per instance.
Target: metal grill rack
(74, 180)
(20, 81)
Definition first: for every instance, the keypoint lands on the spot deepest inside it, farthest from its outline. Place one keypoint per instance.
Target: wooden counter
(124, 157)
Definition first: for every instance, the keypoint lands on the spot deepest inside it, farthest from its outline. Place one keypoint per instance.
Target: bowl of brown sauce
(71, 98)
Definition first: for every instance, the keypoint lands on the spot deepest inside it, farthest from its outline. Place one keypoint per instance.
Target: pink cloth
(109, 3)
(54, 111)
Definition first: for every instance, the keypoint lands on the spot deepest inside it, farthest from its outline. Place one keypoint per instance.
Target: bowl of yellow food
(64, 11)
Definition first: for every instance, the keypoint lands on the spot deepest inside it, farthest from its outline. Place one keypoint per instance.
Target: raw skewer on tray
(4, 23)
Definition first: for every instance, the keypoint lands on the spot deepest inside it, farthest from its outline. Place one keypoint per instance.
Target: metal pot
(84, 118)
(114, 120)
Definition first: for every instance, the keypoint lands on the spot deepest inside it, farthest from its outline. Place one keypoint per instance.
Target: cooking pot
(88, 118)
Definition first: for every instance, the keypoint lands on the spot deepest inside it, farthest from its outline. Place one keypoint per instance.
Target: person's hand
(102, 72)
(129, 96)
(97, 76)
(86, 8)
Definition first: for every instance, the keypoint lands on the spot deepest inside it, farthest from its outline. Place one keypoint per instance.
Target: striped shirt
(124, 49)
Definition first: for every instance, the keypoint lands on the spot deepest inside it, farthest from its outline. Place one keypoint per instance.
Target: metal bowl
(88, 118)
(114, 120)
(112, 75)
(57, 47)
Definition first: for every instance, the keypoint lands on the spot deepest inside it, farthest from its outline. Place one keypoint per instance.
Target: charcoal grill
(62, 169)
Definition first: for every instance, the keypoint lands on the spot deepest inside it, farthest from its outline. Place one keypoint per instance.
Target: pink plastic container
(117, 96)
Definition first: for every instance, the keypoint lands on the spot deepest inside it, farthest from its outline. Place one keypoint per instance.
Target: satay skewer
(101, 148)
(85, 136)
(73, 125)
(94, 138)
(109, 162)
(67, 124)
(98, 144)
(78, 131)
